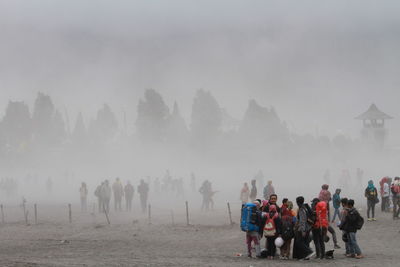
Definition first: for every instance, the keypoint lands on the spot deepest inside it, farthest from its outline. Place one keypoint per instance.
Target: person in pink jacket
(326, 196)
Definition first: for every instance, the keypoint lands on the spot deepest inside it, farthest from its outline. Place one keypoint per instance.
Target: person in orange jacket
(320, 226)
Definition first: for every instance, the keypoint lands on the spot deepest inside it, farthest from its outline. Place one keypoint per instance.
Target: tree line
(210, 127)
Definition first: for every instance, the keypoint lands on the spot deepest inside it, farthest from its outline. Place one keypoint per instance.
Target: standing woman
(244, 194)
(372, 199)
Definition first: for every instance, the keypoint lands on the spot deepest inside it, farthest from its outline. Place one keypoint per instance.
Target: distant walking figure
(143, 190)
(129, 191)
(118, 191)
(244, 194)
(268, 190)
(83, 193)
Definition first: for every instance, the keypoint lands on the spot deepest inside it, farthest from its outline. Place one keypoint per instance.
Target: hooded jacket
(321, 215)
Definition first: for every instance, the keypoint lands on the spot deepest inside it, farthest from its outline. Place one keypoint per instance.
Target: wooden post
(70, 213)
(35, 207)
(187, 213)
(2, 213)
(105, 212)
(25, 211)
(230, 214)
(149, 210)
(172, 217)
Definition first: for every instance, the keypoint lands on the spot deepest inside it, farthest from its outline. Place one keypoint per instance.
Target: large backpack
(287, 228)
(396, 189)
(355, 217)
(249, 220)
(269, 227)
(311, 216)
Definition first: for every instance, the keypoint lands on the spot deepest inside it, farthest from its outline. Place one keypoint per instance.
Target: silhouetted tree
(16, 126)
(152, 117)
(104, 127)
(261, 124)
(206, 118)
(177, 131)
(48, 124)
(79, 135)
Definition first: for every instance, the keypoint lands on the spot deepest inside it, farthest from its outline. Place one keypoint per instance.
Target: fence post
(2, 213)
(25, 211)
(70, 213)
(230, 214)
(149, 211)
(35, 210)
(105, 212)
(187, 213)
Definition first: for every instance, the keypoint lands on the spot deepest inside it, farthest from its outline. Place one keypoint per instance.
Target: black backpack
(310, 215)
(355, 217)
(287, 229)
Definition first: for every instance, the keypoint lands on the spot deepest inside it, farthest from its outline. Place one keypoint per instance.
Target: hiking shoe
(309, 256)
(336, 246)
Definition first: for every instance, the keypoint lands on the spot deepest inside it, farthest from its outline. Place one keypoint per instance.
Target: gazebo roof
(373, 113)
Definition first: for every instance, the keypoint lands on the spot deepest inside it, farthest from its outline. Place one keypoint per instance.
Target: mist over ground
(310, 68)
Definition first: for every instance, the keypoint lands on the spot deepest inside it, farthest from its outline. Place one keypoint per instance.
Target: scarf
(371, 186)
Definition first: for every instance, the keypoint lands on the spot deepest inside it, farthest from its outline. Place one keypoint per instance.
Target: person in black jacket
(301, 245)
(372, 198)
(349, 225)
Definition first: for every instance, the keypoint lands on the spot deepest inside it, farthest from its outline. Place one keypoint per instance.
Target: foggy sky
(319, 63)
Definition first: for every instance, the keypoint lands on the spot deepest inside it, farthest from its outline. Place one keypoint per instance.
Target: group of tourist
(104, 192)
(390, 197)
(282, 226)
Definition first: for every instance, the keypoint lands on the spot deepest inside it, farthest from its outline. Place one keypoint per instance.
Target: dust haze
(95, 90)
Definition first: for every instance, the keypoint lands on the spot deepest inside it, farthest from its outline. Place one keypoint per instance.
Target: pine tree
(206, 118)
(152, 117)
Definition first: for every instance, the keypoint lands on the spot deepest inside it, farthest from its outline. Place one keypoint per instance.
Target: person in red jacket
(320, 226)
(325, 195)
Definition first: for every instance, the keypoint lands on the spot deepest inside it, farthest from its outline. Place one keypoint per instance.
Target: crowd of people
(207, 193)
(282, 225)
(104, 192)
(168, 186)
(390, 197)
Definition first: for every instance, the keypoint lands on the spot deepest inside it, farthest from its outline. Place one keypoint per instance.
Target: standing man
(97, 193)
(129, 191)
(118, 191)
(268, 190)
(105, 196)
(143, 190)
(336, 204)
(385, 194)
(83, 192)
(350, 225)
(301, 249)
(253, 191)
(371, 195)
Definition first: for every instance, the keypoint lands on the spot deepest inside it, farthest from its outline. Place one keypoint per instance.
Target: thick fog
(258, 85)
